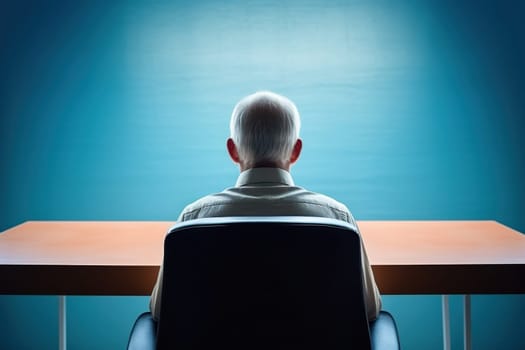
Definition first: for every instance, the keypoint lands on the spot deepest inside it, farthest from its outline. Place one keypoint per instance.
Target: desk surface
(123, 258)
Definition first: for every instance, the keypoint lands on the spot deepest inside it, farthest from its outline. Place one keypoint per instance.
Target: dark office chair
(263, 283)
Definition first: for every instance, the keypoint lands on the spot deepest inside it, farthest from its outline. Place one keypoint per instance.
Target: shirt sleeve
(154, 302)
(156, 294)
(370, 290)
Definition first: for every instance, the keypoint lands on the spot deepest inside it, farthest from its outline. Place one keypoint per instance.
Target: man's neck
(266, 164)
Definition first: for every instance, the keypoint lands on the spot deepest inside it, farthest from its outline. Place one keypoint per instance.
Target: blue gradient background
(119, 111)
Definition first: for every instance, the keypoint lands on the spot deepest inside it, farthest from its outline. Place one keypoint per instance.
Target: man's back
(271, 192)
(266, 192)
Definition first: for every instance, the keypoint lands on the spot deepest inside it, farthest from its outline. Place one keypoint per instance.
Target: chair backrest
(263, 282)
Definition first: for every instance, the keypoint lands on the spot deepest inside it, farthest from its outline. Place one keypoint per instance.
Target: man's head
(264, 132)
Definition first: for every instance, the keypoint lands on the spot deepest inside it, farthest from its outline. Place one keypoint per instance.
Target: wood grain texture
(123, 258)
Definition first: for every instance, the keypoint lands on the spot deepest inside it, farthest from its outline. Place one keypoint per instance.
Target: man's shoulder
(260, 200)
(192, 210)
(327, 200)
(324, 201)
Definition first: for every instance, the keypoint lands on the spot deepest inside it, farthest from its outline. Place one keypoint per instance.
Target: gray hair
(264, 127)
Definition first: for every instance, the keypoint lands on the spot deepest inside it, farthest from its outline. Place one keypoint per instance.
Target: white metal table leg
(466, 322)
(62, 322)
(446, 321)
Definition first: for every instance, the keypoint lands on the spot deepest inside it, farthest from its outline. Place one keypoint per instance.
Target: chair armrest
(383, 333)
(144, 333)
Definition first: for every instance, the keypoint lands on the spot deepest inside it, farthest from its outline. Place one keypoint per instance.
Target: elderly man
(265, 143)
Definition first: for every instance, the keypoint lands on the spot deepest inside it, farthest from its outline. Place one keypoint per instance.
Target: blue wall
(119, 111)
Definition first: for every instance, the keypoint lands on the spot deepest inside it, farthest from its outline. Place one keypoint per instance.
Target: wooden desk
(123, 258)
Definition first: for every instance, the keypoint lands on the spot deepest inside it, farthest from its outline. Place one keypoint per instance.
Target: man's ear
(296, 151)
(232, 150)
